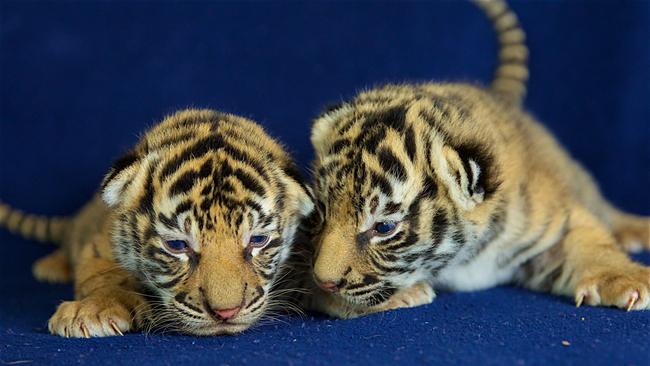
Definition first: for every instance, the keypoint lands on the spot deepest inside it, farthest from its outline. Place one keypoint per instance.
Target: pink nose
(329, 286)
(225, 314)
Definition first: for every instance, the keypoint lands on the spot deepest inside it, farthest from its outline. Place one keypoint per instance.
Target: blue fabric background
(80, 80)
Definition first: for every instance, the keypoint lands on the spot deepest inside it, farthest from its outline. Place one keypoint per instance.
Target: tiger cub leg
(589, 266)
(418, 294)
(53, 268)
(106, 302)
(631, 231)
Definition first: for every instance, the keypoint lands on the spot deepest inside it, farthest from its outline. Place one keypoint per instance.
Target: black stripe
(170, 222)
(254, 300)
(199, 149)
(410, 239)
(186, 181)
(171, 283)
(361, 291)
(119, 165)
(394, 118)
(391, 164)
(372, 138)
(338, 145)
(254, 205)
(277, 242)
(182, 207)
(240, 156)
(382, 296)
(256, 308)
(392, 240)
(146, 202)
(439, 227)
(185, 136)
(391, 208)
(249, 182)
(366, 281)
(347, 125)
(429, 188)
(488, 178)
(409, 143)
(381, 182)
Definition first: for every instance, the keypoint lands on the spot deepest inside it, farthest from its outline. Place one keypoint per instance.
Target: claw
(633, 299)
(115, 328)
(580, 299)
(84, 330)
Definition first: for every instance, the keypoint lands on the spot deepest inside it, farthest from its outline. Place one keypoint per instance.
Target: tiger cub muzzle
(339, 270)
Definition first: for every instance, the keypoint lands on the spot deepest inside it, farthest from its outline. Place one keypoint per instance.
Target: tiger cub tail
(511, 73)
(36, 227)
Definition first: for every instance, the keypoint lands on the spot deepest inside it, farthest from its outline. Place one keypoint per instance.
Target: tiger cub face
(205, 211)
(401, 186)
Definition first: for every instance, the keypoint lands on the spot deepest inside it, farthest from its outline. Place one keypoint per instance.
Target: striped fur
(512, 73)
(36, 227)
(208, 178)
(481, 193)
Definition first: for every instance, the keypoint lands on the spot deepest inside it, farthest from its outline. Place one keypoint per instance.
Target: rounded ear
(302, 193)
(306, 200)
(467, 174)
(322, 127)
(118, 178)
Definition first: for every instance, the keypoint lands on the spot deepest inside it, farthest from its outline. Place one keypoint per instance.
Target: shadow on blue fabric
(80, 80)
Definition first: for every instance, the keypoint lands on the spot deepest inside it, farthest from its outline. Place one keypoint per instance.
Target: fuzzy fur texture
(210, 179)
(481, 194)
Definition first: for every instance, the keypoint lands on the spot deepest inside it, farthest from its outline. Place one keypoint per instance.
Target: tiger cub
(436, 185)
(191, 232)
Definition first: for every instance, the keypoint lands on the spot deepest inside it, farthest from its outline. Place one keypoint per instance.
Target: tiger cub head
(404, 177)
(206, 207)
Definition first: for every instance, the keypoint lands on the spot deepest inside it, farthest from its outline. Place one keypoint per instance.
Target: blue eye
(177, 246)
(258, 241)
(385, 228)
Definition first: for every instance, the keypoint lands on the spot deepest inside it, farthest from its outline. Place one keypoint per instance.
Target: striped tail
(511, 74)
(40, 228)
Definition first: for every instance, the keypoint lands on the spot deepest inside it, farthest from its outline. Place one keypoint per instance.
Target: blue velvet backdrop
(80, 80)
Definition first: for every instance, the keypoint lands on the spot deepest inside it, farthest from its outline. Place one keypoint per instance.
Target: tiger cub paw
(90, 317)
(626, 289)
(420, 293)
(52, 268)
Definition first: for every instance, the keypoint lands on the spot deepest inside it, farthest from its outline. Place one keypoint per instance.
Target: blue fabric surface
(80, 80)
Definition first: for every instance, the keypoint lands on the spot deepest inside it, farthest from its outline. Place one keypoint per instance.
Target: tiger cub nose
(329, 286)
(225, 314)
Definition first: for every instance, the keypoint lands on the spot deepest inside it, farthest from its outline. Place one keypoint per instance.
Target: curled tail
(511, 73)
(40, 228)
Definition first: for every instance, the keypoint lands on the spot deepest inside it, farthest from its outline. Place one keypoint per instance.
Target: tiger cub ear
(465, 176)
(299, 190)
(323, 124)
(119, 176)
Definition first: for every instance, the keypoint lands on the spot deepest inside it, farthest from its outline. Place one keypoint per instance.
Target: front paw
(90, 317)
(627, 288)
(418, 294)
